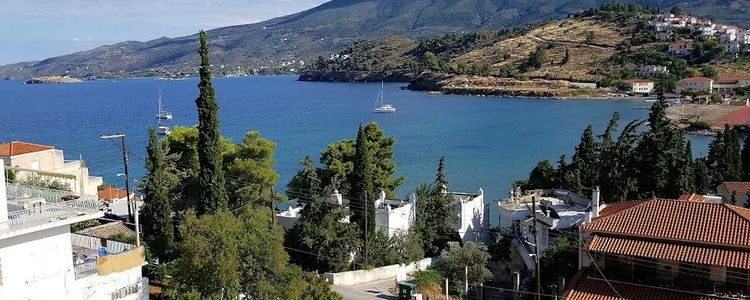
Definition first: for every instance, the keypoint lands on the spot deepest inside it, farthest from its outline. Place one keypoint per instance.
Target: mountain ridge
(287, 41)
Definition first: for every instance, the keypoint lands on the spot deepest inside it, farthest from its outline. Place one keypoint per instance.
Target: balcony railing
(15, 191)
(85, 269)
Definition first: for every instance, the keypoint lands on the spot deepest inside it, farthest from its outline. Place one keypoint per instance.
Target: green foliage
(427, 277)
(724, 158)
(431, 61)
(501, 249)
(156, 213)
(399, 249)
(702, 176)
(676, 10)
(745, 159)
(538, 58)
(45, 183)
(362, 186)
(456, 258)
(542, 176)
(319, 289)
(321, 241)
(716, 99)
(710, 73)
(75, 227)
(560, 259)
(249, 166)
(10, 175)
(434, 222)
(213, 194)
(699, 126)
(305, 184)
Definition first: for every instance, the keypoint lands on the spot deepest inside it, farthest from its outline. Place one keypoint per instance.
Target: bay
(488, 142)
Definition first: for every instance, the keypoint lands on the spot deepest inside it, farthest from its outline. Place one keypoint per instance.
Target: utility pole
(536, 249)
(121, 136)
(366, 233)
(273, 204)
(466, 280)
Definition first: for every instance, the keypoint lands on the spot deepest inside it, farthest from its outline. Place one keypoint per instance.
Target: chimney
(587, 217)
(3, 197)
(338, 197)
(595, 203)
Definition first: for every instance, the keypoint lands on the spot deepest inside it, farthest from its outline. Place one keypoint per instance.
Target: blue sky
(38, 29)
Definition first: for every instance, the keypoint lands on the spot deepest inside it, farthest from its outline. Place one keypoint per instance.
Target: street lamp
(121, 136)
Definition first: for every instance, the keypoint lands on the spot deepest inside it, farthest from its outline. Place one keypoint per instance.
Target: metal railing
(85, 269)
(52, 212)
(90, 242)
(16, 191)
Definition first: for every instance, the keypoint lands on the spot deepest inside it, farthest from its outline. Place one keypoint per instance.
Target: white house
(40, 259)
(395, 217)
(652, 70)
(469, 211)
(639, 86)
(708, 30)
(116, 201)
(41, 161)
(289, 213)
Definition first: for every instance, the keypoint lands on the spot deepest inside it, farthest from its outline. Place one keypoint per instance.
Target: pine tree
(362, 190)
(434, 222)
(213, 195)
(746, 159)
(157, 209)
(305, 185)
(724, 157)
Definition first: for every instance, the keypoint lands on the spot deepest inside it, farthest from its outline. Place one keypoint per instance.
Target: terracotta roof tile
(692, 198)
(110, 194)
(742, 188)
(18, 148)
(584, 288)
(662, 219)
(696, 79)
(673, 252)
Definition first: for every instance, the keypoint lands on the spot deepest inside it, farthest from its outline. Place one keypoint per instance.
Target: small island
(52, 79)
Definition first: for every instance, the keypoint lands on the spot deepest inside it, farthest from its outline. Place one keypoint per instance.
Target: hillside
(288, 41)
(605, 45)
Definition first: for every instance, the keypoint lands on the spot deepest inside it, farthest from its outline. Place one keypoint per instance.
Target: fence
(91, 242)
(85, 269)
(15, 190)
(376, 274)
(51, 212)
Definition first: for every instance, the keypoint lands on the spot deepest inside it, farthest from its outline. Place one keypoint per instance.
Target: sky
(39, 29)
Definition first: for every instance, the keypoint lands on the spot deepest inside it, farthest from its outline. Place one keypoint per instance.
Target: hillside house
(652, 70)
(681, 48)
(116, 201)
(707, 30)
(639, 86)
(469, 216)
(726, 86)
(739, 189)
(41, 259)
(664, 249)
(41, 162)
(695, 84)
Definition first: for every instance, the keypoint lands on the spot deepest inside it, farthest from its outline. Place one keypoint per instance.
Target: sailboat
(380, 107)
(163, 114)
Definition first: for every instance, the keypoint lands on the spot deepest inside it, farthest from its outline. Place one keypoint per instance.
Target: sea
(488, 141)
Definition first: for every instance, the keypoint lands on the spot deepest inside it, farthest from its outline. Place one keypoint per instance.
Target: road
(376, 290)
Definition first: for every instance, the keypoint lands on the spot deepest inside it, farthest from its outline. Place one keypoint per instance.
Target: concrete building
(556, 210)
(663, 36)
(664, 249)
(47, 163)
(288, 213)
(740, 190)
(639, 86)
(116, 201)
(395, 217)
(40, 259)
(651, 70)
(469, 211)
(681, 47)
(695, 84)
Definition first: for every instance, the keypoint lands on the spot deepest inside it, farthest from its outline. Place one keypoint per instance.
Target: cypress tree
(157, 209)
(701, 177)
(585, 160)
(213, 195)
(440, 182)
(362, 186)
(730, 161)
(746, 159)
(305, 184)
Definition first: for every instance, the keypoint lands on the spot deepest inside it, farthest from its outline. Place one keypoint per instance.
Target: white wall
(102, 287)
(469, 216)
(376, 274)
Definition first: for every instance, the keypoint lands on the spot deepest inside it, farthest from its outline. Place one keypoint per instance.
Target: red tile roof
(584, 288)
(698, 223)
(673, 252)
(742, 188)
(696, 79)
(110, 194)
(18, 148)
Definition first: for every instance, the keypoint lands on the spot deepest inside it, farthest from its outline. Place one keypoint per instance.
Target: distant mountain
(286, 41)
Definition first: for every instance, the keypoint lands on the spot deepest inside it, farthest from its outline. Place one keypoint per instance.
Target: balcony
(32, 208)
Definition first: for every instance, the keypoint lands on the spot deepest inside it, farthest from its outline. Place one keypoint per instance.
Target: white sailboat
(381, 107)
(161, 113)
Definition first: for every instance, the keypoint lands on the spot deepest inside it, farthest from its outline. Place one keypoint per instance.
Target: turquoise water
(488, 142)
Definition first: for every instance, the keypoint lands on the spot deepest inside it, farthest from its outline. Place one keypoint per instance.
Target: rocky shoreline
(52, 79)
